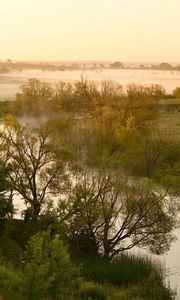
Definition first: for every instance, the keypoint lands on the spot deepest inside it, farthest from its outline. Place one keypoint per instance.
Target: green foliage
(168, 172)
(48, 270)
(10, 283)
(35, 90)
(110, 132)
(125, 278)
(120, 271)
(6, 208)
(151, 288)
(118, 214)
(105, 118)
(6, 205)
(33, 98)
(10, 250)
(176, 92)
(5, 108)
(9, 278)
(20, 231)
(92, 291)
(34, 169)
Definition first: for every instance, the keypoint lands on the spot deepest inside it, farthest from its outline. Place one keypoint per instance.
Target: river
(9, 86)
(9, 83)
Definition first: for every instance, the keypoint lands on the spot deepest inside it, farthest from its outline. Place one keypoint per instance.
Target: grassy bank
(126, 278)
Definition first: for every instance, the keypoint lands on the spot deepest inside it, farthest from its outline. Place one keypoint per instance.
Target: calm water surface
(9, 86)
(9, 83)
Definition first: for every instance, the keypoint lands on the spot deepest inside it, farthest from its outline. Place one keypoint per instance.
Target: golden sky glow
(126, 30)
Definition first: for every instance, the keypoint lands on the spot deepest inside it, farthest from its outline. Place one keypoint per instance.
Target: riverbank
(126, 277)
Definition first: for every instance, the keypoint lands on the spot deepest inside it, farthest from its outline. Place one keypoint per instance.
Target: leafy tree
(117, 65)
(6, 208)
(106, 117)
(118, 214)
(168, 171)
(100, 100)
(33, 97)
(49, 271)
(142, 155)
(35, 171)
(35, 90)
(6, 204)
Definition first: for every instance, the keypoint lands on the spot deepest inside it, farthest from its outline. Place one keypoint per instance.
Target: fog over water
(9, 86)
(9, 83)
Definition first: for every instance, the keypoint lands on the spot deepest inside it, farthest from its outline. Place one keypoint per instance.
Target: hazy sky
(125, 30)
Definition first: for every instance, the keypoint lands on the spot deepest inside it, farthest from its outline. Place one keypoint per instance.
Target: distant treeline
(161, 66)
(8, 66)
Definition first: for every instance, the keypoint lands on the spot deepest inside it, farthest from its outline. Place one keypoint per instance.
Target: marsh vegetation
(96, 167)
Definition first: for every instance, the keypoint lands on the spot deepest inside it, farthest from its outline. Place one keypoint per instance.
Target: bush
(49, 271)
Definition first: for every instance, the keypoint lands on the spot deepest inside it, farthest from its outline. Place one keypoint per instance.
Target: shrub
(49, 271)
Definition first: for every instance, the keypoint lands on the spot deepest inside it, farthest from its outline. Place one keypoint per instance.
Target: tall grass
(125, 278)
(122, 271)
(10, 283)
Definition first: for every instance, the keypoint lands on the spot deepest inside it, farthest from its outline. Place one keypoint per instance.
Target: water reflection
(172, 262)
